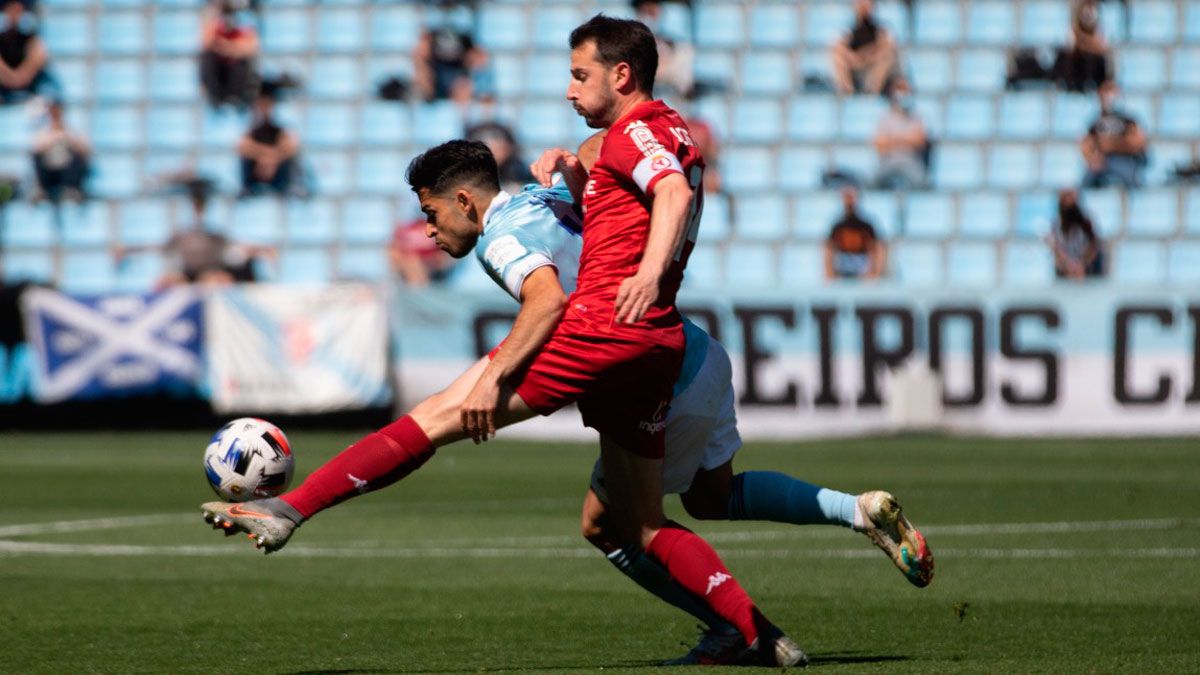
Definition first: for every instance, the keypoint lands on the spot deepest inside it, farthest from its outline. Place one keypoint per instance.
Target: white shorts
(701, 426)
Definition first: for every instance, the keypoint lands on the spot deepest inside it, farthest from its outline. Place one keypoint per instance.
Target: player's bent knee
(701, 507)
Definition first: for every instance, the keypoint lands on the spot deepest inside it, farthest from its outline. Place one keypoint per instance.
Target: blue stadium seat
(860, 117)
(174, 81)
(381, 172)
(337, 77)
(715, 66)
(116, 128)
(881, 209)
(981, 70)
(121, 33)
(930, 111)
(545, 123)
(1153, 213)
(1139, 263)
(1183, 263)
(929, 215)
(815, 214)
(223, 167)
(1036, 212)
(705, 268)
(1191, 22)
(761, 217)
(339, 30)
(938, 23)
(1073, 114)
(223, 128)
(1144, 109)
(747, 170)
(750, 266)
(1028, 264)
(547, 74)
(15, 132)
(826, 22)
(766, 73)
(1180, 115)
(86, 225)
(990, 23)
(1191, 211)
(503, 27)
(258, 220)
(812, 118)
(35, 266)
(894, 17)
(123, 80)
(1113, 21)
(312, 222)
(139, 272)
(510, 77)
(958, 167)
(1142, 69)
(1185, 68)
(363, 263)
(172, 127)
(144, 222)
(75, 76)
(801, 266)
(286, 31)
(329, 124)
(28, 225)
(719, 26)
(69, 35)
(983, 215)
(87, 272)
(970, 117)
(1013, 166)
(1165, 156)
(394, 28)
(177, 33)
(552, 26)
(929, 71)
(332, 171)
(367, 221)
(800, 167)
(858, 159)
(304, 266)
(775, 25)
(757, 121)
(715, 226)
(1024, 116)
(674, 22)
(1153, 22)
(1104, 206)
(1044, 22)
(1062, 166)
(918, 264)
(384, 123)
(715, 111)
(972, 264)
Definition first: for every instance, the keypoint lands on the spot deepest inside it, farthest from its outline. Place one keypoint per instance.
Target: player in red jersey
(616, 351)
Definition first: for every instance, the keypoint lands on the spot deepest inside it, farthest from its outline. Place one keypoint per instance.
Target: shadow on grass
(841, 658)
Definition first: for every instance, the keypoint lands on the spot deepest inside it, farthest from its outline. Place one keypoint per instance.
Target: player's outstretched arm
(542, 305)
(672, 201)
(559, 160)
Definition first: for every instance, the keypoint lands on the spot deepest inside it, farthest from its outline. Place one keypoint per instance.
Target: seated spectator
(227, 56)
(268, 152)
(865, 58)
(710, 148)
(1078, 252)
(514, 173)
(23, 56)
(415, 258)
(1084, 64)
(447, 64)
(675, 77)
(853, 251)
(1115, 145)
(901, 142)
(201, 256)
(60, 159)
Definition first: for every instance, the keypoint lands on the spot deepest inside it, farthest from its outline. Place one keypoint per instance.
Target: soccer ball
(248, 458)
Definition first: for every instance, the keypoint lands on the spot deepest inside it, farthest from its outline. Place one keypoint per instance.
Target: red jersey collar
(655, 103)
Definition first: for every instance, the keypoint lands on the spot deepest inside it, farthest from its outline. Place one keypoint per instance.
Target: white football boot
(882, 520)
(266, 528)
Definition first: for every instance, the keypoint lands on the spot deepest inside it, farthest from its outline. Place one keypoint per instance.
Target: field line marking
(113, 523)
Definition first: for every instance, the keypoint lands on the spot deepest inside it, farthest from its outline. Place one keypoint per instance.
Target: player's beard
(599, 117)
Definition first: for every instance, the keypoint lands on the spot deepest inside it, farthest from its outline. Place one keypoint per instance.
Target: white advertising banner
(297, 350)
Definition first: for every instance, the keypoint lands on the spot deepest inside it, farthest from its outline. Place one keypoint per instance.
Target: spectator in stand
(447, 64)
(268, 152)
(1078, 252)
(202, 256)
(60, 159)
(514, 173)
(675, 77)
(1084, 64)
(865, 58)
(901, 142)
(853, 251)
(1114, 148)
(710, 148)
(415, 258)
(229, 49)
(23, 56)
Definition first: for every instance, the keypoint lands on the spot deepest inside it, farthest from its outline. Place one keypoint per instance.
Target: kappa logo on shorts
(716, 580)
(359, 484)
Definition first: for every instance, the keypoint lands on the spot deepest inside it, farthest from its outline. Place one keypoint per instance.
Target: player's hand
(478, 411)
(635, 296)
(552, 161)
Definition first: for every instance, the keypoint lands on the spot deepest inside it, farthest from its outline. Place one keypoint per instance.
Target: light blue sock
(652, 576)
(767, 495)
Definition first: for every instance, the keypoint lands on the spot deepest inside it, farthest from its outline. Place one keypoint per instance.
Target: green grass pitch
(474, 564)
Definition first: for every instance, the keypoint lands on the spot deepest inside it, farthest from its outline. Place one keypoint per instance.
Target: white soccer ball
(248, 458)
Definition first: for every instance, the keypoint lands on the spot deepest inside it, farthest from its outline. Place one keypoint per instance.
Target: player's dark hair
(452, 164)
(622, 41)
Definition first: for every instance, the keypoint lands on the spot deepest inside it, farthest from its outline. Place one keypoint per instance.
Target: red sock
(375, 462)
(695, 566)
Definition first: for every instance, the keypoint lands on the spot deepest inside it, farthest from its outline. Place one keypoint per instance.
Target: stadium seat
(510, 76)
(981, 70)
(115, 175)
(287, 31)
(224, 167)
(929, 71)
(394, 28)
(1106, 210)
(857, 159)
(85, 225)
(1028, 264)
(747, 170)
(123, 81)
(826, 22)
(304, 266)
(750, 266)
(503, 27)
(1144, 109)
(812, 118)
(381, 172)
(28, 225)
(1153, 213)
(757, 121)
(715, 67)
(545, 123)
(312, 222)
(881, 209)
(337, 77)
(766, 73)
(938, 23)
(1073, 114)
(1185, 68)
(15, 132)
(983, 215)
(332, 171)
(139, 272)
(929, 215)
(384, 123)
(815, 214)
(1183, 263)
(1142, 69)
(177, 33)
(363, 263)
(1191, 211)
(958, 167)
(719, 26)
(775, 25)
(116, 128)
(1062, 165)
(800, 167)
(1024, 116)
(69, 35)
(174, 81)
(705, 268)
(801, 266)
(257, 220)
(990, 23)
(144, 222)
(918, 264)
(87, 272)
(222, 129)
(675, 21)
(329, 125)
(1191, 23)
(172, 127)
(339, 30)
(546, 74)
(860, 117)
(1165, 156)
(715, 111)
(1180, 115)
(1153, 22)
(552, 26)
(1036, 211)
(715, 225)
(1013, 166)
(1139, 263)
(894, 17)
(761, 217)
(75, 76)
(32, 266)
(971, 264)
(1044, 23)
(121, 33)
(931, 112)
(367, 221)
(970, 117)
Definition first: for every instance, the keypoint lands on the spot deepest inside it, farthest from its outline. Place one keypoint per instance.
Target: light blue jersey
(537, 227)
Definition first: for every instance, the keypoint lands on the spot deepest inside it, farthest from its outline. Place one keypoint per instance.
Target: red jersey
(649, 143)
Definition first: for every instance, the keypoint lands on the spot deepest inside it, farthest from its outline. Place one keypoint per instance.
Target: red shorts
(621, 381)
